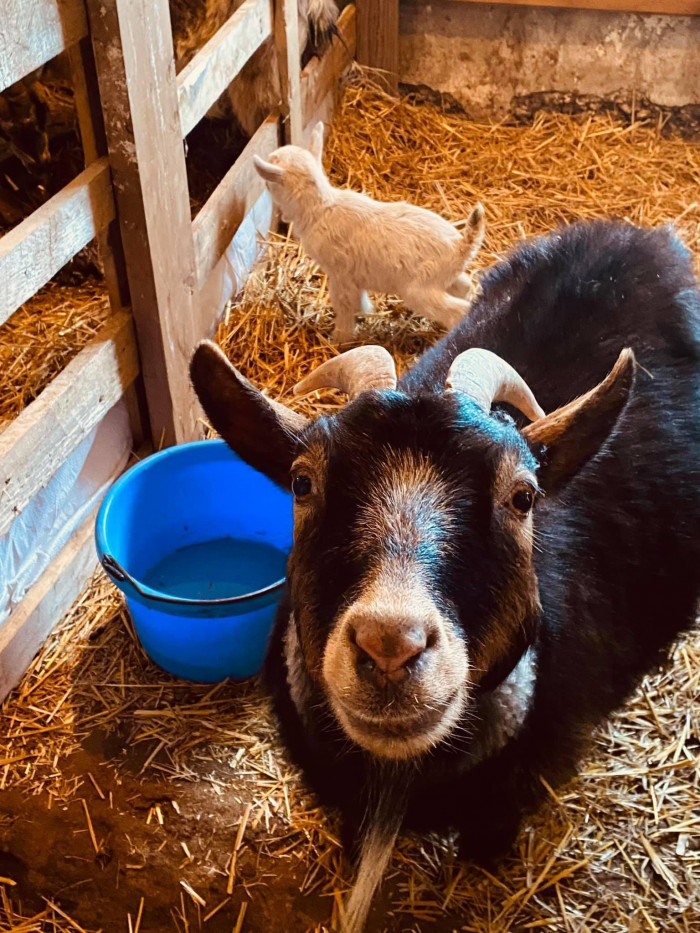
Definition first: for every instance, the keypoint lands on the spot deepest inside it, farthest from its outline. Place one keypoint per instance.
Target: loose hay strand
(615, 852)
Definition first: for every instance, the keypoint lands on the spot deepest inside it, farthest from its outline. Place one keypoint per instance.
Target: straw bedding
(173, 805)
(42, 337)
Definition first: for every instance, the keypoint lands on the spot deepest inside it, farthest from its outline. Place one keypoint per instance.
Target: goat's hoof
(343, 337)
(487, 845)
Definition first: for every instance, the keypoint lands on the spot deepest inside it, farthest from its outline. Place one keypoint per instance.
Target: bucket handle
(118, 574)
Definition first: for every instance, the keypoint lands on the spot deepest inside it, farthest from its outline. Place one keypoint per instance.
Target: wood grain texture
(378, 40)
(286, 31)
(88, 108)
(40, 439)
(322, 75)
(133, 48)
(206, 77)
(216, 223)
(670, 7)
(34, 31)
(33, 251)
(23, 634)
(94, 142)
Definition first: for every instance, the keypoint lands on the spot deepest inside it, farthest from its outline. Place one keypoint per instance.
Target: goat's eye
(522, 501)
(301, 486)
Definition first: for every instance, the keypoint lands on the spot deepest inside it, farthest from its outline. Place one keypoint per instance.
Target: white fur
(377, 847)
(366, 245)
(297, 678)
(503, 711)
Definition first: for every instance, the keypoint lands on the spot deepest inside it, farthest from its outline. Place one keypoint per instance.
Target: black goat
(472, 591)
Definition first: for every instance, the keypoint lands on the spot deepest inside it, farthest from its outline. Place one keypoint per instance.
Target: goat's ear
(573, 434)
(316, 141)
(267, 170)
(262, 432)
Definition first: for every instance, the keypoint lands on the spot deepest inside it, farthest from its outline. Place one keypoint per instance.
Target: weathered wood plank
(206, 77)
(322, 75)
(34, 31)
(23, 634)
(286, 29)
(92, 133)
(378, 40)
(40, 439)
(133, 49)
(218, 220)
(670, 7)
(33, 251)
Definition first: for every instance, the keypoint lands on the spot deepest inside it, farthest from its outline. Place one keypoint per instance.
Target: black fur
(618, 563)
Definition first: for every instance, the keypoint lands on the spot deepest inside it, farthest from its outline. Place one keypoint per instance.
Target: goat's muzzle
(395, 669)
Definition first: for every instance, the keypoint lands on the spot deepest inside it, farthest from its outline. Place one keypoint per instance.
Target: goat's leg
(500, 791)
(347, 303)
(366, 303)
(461, 287)
(437, 305)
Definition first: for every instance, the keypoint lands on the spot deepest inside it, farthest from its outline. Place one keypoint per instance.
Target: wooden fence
(134, 113)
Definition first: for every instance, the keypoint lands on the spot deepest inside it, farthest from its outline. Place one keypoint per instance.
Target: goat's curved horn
(353, 372)
(486, 379)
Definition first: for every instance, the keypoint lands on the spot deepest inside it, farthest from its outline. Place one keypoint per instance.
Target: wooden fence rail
(217, 221)
(213, 68)
(47, 432)
(35, 250)
(34, 31)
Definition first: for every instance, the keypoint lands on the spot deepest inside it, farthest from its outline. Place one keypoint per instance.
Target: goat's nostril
(388, 650)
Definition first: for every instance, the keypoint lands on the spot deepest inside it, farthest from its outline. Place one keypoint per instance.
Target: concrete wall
(487, 54)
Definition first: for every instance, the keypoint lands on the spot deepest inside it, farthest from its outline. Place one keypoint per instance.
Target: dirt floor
(131, 801)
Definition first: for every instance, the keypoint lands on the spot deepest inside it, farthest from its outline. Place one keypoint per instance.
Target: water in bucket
(217, 569)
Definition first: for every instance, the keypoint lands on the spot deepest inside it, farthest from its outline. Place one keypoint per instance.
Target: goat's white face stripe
(409, 506)
(403, 525)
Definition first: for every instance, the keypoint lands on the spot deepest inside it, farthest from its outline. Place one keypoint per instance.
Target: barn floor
(131, 801)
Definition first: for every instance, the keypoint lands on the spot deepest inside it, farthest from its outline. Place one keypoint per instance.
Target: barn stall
(167, 805)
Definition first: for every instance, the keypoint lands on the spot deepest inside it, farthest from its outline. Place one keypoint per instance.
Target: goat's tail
(323, 22)
(473, 234)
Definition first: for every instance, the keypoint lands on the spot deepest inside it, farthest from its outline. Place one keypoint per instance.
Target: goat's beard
(386, 807)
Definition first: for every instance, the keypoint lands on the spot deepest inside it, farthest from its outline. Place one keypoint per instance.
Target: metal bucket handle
(116, 572)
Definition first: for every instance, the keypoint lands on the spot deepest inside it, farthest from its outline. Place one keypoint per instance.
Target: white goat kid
(366, 245)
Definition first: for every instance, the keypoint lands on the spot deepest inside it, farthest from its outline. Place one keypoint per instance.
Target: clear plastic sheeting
(42, 529)
(232, 270)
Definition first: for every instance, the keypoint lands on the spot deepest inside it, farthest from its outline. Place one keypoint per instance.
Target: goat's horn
(353, 372)
(486, 379)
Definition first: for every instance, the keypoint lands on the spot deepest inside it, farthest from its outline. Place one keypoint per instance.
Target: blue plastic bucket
(198, 541)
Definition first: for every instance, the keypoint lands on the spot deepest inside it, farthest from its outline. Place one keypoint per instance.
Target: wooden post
(132, 43)
(378, 40)
(94, 142)
(286, 29)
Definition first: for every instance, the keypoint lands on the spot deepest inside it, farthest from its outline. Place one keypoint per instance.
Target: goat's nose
(389, 651)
